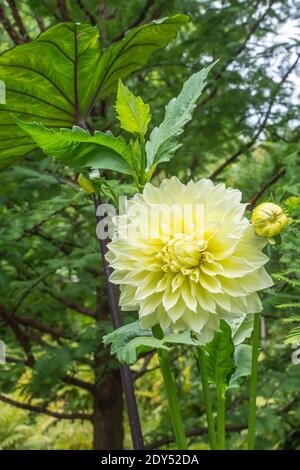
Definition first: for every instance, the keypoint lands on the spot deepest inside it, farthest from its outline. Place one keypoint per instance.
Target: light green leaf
(243, 363)
(78, 148)
(129, 341)
(219, 356)
(293, 336)
(242, 328)
(164, 140)
(118, 338)
(130, 353)
(133, 114)
(185, 338)
(57, 78)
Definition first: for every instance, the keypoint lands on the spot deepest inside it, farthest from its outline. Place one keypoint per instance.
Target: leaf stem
(253, 382)
(207, 398)
(143, 160)
(164, 361)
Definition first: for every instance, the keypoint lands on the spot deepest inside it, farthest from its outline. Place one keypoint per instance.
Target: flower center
(181, 254)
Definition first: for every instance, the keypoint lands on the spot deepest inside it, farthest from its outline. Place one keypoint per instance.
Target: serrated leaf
(242, 328)
(78, 148)
(129, 341)
(185, 338)
(243, 363)
(130, 353)
(133, 114)
(164, 140)
(219, 356)
(119, 337)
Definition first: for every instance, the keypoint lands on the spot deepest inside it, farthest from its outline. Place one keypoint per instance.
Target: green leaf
(293, 336)
(130, 353)
(133, 51)
(133, 114)
(78, 148)
(48, 79)
(164, 140)
(185, 338)
(57, 77)
(241, 328)
(129, 341)
(219, 356)
(243, 363)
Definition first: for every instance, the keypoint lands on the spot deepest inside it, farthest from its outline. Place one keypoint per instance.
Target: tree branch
(261, 127)
(21, 337)
(18, 20)
(54, 332)
(71, 305)
(88, 14)
(45, 411)
(253, 200)
(29, 289)
(63, 9)
(137, 21)
(8, 27)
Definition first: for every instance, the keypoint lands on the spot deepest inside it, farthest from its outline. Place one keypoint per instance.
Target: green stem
(164, 361)
(143, 160)
(253, 382)
(207, 399)
(221, 407)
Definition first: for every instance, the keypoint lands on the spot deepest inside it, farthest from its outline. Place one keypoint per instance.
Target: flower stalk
(253, 382)
(207, 399)
(164, 361)
(221, 407)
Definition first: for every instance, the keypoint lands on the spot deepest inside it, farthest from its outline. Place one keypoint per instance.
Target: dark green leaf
(219, 356)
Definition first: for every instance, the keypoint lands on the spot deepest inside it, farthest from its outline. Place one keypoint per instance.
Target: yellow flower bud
(86, 184)
(269, 220)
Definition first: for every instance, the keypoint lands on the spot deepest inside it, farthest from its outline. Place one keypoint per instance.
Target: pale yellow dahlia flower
(185, 256)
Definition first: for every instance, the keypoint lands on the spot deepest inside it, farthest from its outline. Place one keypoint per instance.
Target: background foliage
(53, 307)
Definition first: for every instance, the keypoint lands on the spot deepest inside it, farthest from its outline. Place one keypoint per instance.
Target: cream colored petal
(210, 283)
(188, 296)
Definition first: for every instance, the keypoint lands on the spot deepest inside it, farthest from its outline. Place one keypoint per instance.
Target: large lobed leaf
(56, 78)
(43, 79)
(78, 148)
(219, 356)
(164, 140)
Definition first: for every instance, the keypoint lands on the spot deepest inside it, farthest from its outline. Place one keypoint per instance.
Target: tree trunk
(108, 430)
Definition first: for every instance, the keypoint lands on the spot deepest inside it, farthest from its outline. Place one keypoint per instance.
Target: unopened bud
(86, 184)
(269, 220)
